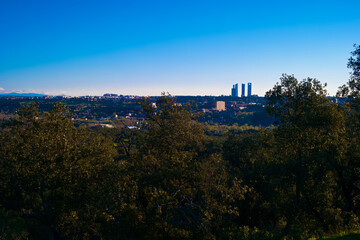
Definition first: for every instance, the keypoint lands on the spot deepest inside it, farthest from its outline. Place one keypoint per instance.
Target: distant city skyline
(187, 47)
(235, 90)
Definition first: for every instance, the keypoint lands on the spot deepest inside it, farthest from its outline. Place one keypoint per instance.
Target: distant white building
(220, 106)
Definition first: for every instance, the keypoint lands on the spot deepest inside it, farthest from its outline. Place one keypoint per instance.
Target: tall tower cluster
(235, 90)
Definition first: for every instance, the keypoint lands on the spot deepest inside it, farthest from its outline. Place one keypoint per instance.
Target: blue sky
(181, 47)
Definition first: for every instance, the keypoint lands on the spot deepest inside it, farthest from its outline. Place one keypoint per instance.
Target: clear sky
(183, 47)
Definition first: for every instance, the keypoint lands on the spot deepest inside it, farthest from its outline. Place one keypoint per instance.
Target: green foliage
(295, 171)
(179, 179)
(352, 236)
(291, 101)
(310, 145)
(51, 173)
(352, 88)
(348, 168)
(183, 188)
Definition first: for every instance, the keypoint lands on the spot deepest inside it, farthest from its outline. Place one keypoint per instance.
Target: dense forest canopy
(172, 180)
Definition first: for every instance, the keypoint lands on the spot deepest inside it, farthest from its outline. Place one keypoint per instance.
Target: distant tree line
(171, 180)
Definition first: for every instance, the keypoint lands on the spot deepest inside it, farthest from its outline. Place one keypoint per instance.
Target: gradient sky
(182, 47)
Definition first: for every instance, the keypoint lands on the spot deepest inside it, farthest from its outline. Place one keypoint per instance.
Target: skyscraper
(249, 90)
(235, 91)
(242, 90)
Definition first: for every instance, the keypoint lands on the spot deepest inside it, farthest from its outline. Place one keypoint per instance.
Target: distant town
(116, 110)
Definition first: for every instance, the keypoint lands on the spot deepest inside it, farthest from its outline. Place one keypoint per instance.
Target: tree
(251, 157)
(309, 142)
(55, 177)
(184, 190)
(348, 169)
(353, 85)
(292, 102)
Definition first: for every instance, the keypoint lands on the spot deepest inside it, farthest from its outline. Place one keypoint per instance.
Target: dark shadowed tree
(348, 170)
(55, 180)
(352, 88)
(309, 142)
(184, 190)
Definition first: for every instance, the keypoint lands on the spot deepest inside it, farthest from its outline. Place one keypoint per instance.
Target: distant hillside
(22, 95)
